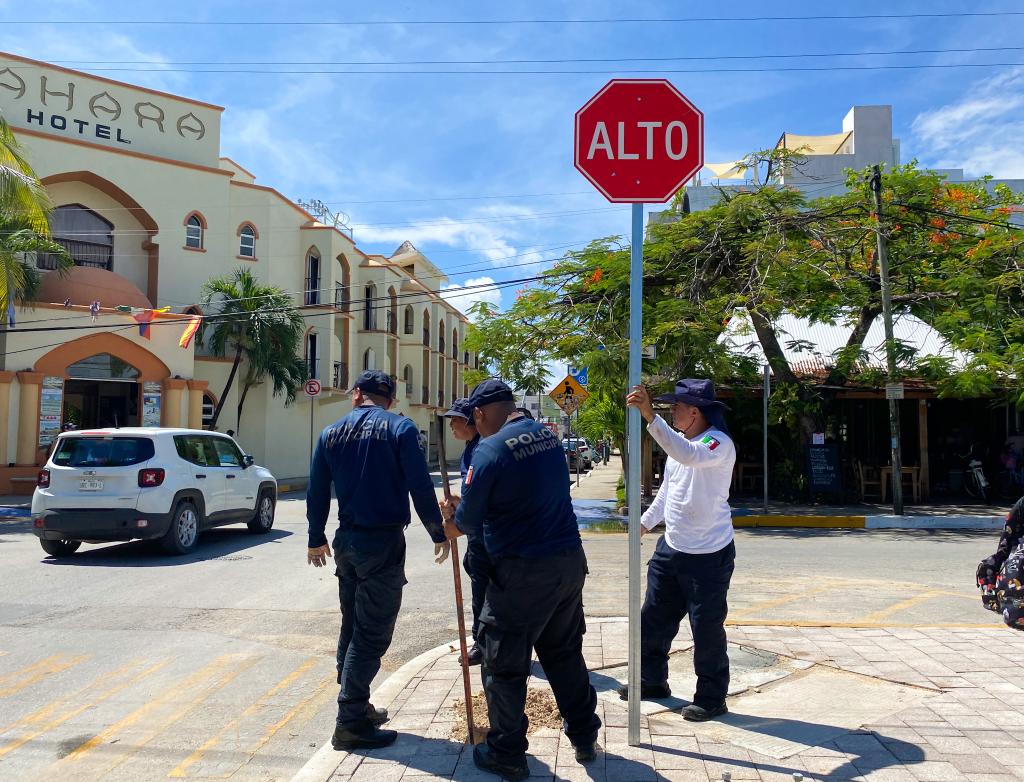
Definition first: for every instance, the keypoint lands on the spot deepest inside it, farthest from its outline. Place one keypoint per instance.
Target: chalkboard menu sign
(823, 469)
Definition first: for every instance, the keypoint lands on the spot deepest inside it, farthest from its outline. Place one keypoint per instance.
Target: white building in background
(865, 139)
(150, 210)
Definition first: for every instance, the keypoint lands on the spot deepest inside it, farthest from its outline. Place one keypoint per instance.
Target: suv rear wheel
(60, 548)
(263, 521)
(183, 534)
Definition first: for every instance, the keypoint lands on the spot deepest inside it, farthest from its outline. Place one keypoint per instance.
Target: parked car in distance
(578, 450)
(150, 484)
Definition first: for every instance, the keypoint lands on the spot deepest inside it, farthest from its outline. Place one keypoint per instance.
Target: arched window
(369, 308)
(87, 237)
(426, 330)
(312, 277)
(409, 318)
(440, 338)
(369, 359)
(455, 344)
(407, 379)
(247, 241)
(195, 227)
(313, 355)
(209, 405)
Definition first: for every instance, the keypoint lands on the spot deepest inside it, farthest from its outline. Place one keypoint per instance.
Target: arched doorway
(101, 391)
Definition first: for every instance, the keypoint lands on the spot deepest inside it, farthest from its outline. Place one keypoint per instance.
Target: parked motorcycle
(975, 482)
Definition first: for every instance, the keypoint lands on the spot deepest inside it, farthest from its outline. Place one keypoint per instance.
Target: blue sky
(476, 170)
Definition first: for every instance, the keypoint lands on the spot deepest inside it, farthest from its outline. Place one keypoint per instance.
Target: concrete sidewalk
(831, 704)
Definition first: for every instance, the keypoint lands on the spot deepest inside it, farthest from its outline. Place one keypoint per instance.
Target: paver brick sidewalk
(967, 727)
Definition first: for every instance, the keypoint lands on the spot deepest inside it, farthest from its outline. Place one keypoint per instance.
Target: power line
(542, 61)
(498, 22)
(427, 295)
(562, 72)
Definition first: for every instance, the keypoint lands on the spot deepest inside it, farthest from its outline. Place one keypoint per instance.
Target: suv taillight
(151, 476)
(43, 479)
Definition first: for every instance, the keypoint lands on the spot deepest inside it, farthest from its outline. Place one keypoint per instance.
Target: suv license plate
(90, 485)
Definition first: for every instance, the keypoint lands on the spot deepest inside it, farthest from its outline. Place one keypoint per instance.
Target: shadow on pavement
(921, 535)
(224, 544)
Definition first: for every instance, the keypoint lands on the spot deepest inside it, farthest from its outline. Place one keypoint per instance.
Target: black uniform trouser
(371, 573)
(694, 585)
(478, 568)
(536, 604)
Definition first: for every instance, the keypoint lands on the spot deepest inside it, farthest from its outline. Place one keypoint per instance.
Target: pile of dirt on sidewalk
(541, 710)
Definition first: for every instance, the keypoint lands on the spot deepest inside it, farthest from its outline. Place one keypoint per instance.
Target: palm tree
(281, 363)
(257, 322)
(24, 225)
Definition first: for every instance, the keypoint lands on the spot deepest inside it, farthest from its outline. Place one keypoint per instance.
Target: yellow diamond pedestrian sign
(569, 395)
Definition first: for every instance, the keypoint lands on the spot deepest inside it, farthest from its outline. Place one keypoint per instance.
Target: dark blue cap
(373, 381)
(699, 393)
(461, 408)
(489, 392)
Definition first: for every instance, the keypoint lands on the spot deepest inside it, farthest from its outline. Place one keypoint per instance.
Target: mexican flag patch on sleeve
(709, 442)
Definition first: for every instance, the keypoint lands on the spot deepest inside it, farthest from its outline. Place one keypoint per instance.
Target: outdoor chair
(870, 479)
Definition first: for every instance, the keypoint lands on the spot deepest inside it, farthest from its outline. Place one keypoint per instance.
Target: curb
(324, 763)
(870, 522)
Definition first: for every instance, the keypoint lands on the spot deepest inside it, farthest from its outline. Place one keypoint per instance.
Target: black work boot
(372, 738)
(485, 761)
(695, 713)
(586, 753)
(376, 716)
(648, 692)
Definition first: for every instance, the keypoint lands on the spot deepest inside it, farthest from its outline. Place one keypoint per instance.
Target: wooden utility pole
(890, 347)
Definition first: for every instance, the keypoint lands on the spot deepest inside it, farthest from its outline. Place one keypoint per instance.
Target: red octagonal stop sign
(639, 140)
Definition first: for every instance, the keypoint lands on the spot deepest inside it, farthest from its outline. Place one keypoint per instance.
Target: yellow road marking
(877, 616)
(200, 685)
(38, 722)
(260, 703)
(779, 601)
(303, 709)
(26, 677)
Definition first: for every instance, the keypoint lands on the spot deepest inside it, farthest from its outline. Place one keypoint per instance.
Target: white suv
(165, 484)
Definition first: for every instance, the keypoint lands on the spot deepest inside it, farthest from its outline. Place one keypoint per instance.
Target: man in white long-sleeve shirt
(692, 566)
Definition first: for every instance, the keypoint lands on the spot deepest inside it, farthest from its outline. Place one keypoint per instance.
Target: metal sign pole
(312, 407)
(636, 282)
(767, 393)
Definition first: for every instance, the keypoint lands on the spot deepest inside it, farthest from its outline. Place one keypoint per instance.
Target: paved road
(121, 664)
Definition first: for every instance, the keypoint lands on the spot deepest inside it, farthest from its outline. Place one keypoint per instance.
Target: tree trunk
(227, 385)
(241, 402)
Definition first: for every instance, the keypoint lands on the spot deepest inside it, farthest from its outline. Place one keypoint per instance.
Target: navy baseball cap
(461, 408)
(696, 392)
(373, 381)
(489, 392)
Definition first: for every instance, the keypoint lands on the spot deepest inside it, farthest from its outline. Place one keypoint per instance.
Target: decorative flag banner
(190, 331)
(143, 318)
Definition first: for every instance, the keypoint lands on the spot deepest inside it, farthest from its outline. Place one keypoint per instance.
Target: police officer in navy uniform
(475, 561)
(516, 494)
(373, 459)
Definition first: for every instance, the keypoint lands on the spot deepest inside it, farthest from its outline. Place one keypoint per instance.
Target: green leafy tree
(759, 255)
(258, 323)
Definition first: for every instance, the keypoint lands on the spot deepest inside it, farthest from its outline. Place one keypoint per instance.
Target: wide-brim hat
(693, 391)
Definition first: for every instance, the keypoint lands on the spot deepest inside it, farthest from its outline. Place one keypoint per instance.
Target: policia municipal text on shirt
(692, 566)
(516, 497)
(373, 459)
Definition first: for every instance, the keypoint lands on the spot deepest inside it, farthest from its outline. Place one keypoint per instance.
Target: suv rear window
(103, 451)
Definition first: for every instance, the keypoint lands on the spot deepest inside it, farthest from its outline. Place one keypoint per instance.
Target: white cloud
(981, 131)
(487, 291)
(486, 231)
(57, 46)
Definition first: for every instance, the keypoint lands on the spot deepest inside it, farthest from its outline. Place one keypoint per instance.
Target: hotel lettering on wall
(62, 105)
